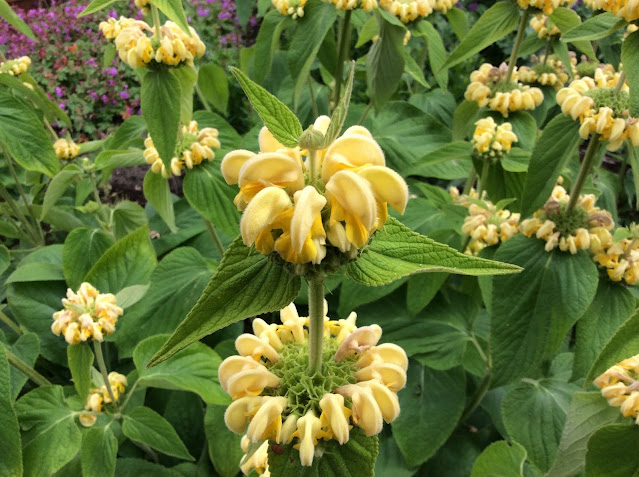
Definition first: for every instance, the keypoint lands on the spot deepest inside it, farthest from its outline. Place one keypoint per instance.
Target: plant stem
(470, 181)
(313, 166)
(343, 43)
(28, 371)
(482, 181)
(38, 229)
(523, 23)
(19, 230)
(33, 237)
(214, 235)
(547, 52)
(624, 166)
(10, 323)
(483, 387)
(316, 324)
(313, 100)
(156, 21)
(586, 167)
(97, 346)
(50, 128)
(620, 82)
(365, 113)
(129, 393)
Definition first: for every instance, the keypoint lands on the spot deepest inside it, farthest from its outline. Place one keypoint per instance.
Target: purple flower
(124, 95)
(58, 91)
(111, 71)
(62, 106)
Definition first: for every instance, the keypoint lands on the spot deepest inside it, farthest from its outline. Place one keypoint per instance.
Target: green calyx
(304, 392)
(541, 69)
(566, 223)
(184, 143)
(587, 68)
(606, 97)
(503, 86)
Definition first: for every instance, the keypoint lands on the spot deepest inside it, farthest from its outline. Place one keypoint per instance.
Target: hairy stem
(214, 235)
(28, 371)
(620, 82)
(523, 23)
(97, 346)
(10, 323)
(343, 43)
(156, 21)
(316, 324)
(584, 171)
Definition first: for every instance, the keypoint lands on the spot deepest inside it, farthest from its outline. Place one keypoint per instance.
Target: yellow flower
(620, 259)
(366, 5)
(280, 402)
(628, 9)
(258, 460)
(492, 141)
(193, 148)
(285, 212)
(539, 23)
(87, 314)
(15, 67)
(619, 386)
(408, 10)
(488, 87)
(444, 5)
(100, 396)
(547, 72)
(599, 110)
(144, 6)
(294, 8)
(546, 6)
(488, 226)
(66, 149)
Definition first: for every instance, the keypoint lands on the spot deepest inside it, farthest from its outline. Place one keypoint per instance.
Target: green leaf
(396, 251)
(613, 451)
(534, 413)
(27, 349)
(280, 120)
(210, 195)
(212, 82)
(130, 130)
(341, 110)
(187, 76)
(11, 462)
(432, 402)
(385, 63)
(147, 426)
(595, 28)
(630, 59)
(307, 39)
(623, 344)
(51, 437)
(174, 11)
(355, 458)
(157, 192)
(82, 249)
(130, 261)
(127, 218)
(500, 459)
(422, 289)
(5, 259)
(161, 93)
(617, 304)
(35, 272)
(15, 21)
(464, 119)
(193, 369)
(530, 321)
(436, 52)
(457, 20)
(496, 22)
(99, 452)
(587, 413)
(235, 292)
(353, 295)
(131, 295)
(224, 446)
(550, 155)
(128, 467)
(176, 284)
(367, 32)
(567, 19)
(113, 158)
(24, 136)
(80, 359)
(268, 39)
(96, 5)
(412, 68)
(451, 161)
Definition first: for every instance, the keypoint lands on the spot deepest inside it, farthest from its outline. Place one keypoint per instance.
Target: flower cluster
(489, 87)
(585, 227)
(280, 402)
(409, 10)
(295, 8)
(366, 5)
(546, 6)
(174, 47)
(628, 9)
(194, 146)
(539, 23)
(66, 149)
(492, 141)
(547, 72)
(620, 260)
(487, 226)
(600, 109)
(15, 67)
(98, 397)
(444, 5)
(290, 211)
(144, 6)
(88, 314)
(620, 387)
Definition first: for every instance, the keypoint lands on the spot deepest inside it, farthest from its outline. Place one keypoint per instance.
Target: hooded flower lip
(357, 386)
(100, 396)
(408, 10)
(546, 6)
(628, 9)
(620, 387)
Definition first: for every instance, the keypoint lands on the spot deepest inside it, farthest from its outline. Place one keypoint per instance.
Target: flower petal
(272, 168)
(267, 141)
(387, 185)
(261, 211)
(232, 163)
(308, 205)
(349, 152)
